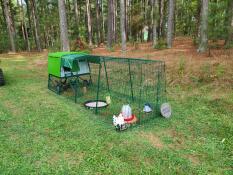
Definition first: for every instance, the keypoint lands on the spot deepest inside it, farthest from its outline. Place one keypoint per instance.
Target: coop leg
(49, 79)
(75, 91)
(59, 87)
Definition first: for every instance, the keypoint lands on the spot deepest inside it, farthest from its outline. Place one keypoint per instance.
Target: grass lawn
(43, 133)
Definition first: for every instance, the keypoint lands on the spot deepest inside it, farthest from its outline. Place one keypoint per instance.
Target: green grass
(42, 133)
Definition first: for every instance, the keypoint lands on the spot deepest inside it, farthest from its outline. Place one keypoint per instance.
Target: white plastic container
(126, 111)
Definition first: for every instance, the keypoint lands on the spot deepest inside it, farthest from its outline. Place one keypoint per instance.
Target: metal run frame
(144, 80)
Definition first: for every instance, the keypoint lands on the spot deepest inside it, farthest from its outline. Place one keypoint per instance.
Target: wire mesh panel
(121, 81)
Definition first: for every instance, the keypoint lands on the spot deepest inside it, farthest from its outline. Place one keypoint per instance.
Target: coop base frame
(63, 83)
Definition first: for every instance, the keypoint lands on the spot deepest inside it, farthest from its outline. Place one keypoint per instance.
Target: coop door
(83, 68)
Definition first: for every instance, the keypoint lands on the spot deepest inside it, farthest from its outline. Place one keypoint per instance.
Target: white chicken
(119, 122)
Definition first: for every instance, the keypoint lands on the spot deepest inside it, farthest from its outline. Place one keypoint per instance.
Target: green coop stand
(126, 80)
(65, 69)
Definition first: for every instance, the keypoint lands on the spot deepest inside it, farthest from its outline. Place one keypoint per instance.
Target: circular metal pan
(91, 104)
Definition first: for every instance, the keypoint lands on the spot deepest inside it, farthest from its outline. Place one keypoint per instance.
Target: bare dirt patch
(40, 63)
(153, 139)
(71, 158)
(193, 159)
(13, 108)
(178, 140)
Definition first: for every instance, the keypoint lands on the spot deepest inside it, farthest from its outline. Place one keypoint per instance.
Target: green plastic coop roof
(60, 54)
(70, 60)
(67, 59)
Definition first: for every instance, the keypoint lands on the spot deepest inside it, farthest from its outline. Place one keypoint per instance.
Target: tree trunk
(229, 24)
(198, 15)
(29, 20)
(89, 22)
(10, 26)
(161, 15)
(129, 19)
(76, 17)
(114, 21)
(123, 26)
(3, 13)
(170, 23)
(110, 24)
(25, 28)
(155, 13)
(63, 26)
(103, 22)
(203, 44)
(98, 22)
(36, 25)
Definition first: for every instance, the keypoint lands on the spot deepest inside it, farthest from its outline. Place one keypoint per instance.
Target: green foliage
(111, 49)
(205, 71)
(187, 17)
(4, 42)
(217, 16)
(161, 44)
(137, 22)
(220, 70)
(181, 67)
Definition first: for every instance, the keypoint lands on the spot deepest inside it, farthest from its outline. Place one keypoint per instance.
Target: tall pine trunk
(203, 43)
(155, 16)
(98, 22)
(76, 17)
(123, 27)
(114, 20)
(25, 28)
(36, 25)
(197, 28)
(103, 36)
(170, 23)
(10, 26)
(161, 15)
(89, 22)
(110, 24)
(63, 26)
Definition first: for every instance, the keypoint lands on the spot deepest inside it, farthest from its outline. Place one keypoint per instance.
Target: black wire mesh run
(125, 81)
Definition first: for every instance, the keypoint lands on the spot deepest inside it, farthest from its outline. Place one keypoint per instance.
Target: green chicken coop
(107, 83)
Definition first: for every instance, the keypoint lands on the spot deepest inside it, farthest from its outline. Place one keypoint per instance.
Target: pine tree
(110, 24)
(89, 27)
(10, 25)
(36, 25)
(123, 27)
(170, 27)
(155, 16)
(63, 26)
(76, 16)
(203, 44)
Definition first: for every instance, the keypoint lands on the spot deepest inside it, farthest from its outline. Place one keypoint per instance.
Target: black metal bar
(98, 87)
(140, 96)
(158, 91)
(106, 74)
(131, 83)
